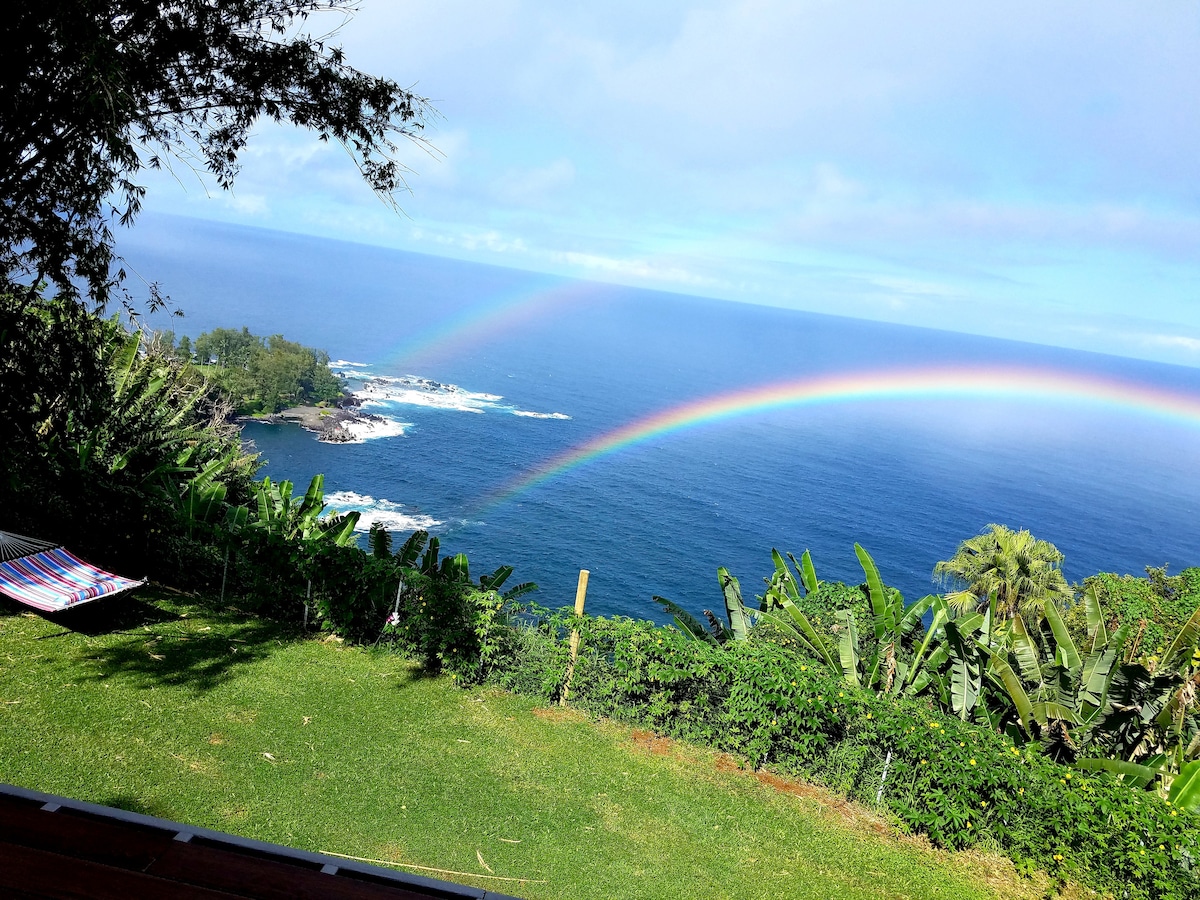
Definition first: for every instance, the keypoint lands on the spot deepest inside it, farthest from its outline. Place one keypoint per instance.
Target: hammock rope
(49, 577)
(14, 546)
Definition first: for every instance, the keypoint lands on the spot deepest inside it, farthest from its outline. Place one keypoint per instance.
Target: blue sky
(1021, 170)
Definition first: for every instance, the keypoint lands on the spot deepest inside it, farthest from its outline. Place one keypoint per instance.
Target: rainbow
(951, 382)
(487, 321)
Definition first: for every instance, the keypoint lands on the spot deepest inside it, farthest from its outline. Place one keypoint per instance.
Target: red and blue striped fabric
(55, 579)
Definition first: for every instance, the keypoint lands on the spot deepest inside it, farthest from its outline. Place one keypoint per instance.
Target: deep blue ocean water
(909, 479)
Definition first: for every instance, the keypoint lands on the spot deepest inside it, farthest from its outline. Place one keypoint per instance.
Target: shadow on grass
(96, 617)
(179, 642)
(109, 616)
(200, 660)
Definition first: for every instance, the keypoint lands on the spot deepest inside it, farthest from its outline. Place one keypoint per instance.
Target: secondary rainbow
(488, 322)
(1001, 383)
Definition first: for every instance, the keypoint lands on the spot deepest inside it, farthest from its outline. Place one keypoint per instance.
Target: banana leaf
(1131, 773)
(881, 609)
(1184, 641)
(1066, 647)
(1013, 685)
(1185, 789)
(966, 672)
(783, 575)
(807, 573)
(732, 591)
(494, 581)
(1095, 617)
(848, 647)
(519, 590)
(1098, 672)
(923, 676)
(939, 618)
(1025, 650)
(685, 621)
(1046, 710)
(810, 635)
(410, 550)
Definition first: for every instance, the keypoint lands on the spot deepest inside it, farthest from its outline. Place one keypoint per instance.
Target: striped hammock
(49, 577)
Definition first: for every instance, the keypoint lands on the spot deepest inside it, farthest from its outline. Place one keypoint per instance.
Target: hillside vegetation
(219, 720)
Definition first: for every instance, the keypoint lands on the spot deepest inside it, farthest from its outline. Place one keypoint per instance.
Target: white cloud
(1175, 341)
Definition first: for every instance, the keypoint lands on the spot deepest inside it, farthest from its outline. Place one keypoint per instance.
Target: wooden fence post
(580, 596)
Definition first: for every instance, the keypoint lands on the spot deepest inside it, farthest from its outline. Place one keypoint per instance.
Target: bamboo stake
(224, 574)
(580, 596)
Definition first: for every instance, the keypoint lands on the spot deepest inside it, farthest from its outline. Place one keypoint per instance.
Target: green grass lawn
(217, 720)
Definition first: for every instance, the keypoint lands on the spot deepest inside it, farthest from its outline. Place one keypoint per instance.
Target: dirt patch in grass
(559, 714)
(655, 743)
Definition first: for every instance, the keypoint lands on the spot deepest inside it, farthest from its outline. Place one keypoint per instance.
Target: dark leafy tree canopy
(94, 91)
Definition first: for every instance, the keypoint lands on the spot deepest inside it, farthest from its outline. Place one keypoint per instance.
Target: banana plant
(279, 515)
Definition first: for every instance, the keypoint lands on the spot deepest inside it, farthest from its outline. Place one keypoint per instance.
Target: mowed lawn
(163, 706)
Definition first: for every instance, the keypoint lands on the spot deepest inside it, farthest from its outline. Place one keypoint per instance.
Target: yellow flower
(983, 803)
(1021, 790)
(933, 724)
(1068, 776)
(923, 762)
(968, 824)
(868, 715)
(793, 684)
(972, 762)
(774, 721)
(962, 743)
(1058, 857)
(840, 694)
(804, 668)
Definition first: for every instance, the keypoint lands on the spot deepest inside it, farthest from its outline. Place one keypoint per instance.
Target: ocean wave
(537, 415)
(363, 430)
(385, 513)
(345, 363)
(411, 390)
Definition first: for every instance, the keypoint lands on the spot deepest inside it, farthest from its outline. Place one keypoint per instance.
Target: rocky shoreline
(332, 425)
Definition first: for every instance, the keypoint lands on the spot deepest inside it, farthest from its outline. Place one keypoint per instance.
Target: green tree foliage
(105, 431)
(266, 374)
(1023, 572)
(92, 93)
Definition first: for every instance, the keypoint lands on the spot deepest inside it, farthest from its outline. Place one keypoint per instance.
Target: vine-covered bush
(1155, 607)
(958, 783)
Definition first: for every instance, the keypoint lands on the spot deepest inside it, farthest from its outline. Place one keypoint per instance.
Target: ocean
(557, 425)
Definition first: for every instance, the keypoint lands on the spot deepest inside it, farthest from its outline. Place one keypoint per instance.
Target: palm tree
(1022, 571)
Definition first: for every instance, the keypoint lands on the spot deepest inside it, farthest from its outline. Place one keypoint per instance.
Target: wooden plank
(268, 879)
(52, 876)
(104, 841)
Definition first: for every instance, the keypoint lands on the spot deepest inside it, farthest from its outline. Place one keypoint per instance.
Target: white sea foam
(374, 427)
(537, 415)
(387, 514)
(411, 390)
(345, 363)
